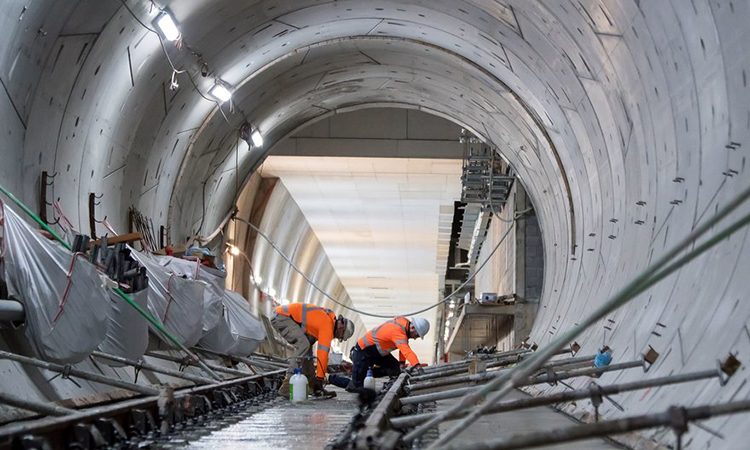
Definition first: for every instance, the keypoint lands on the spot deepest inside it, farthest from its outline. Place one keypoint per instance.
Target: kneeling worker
(375, 347)
(302, 324)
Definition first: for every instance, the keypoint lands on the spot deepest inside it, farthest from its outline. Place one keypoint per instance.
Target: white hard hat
(348, 330)
(421, 325)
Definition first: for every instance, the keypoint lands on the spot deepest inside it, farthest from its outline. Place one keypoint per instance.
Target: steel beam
(675, 417)
(48, 409)
(567, 396)
(152, 368)
(539, 379)
(67, 371)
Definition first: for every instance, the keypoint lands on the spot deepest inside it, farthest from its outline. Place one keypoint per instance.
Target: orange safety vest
(388, 337)
(317, 322)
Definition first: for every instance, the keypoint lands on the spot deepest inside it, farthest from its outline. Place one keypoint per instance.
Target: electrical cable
(364, 313)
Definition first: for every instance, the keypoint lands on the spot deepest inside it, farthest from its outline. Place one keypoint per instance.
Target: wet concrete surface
(280, 425)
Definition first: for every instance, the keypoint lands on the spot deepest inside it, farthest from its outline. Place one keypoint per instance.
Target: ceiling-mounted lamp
(220, 92)
(167, 26)
(252, 137)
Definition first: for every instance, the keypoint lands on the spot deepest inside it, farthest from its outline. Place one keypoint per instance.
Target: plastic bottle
(369, 380)
(297, 387)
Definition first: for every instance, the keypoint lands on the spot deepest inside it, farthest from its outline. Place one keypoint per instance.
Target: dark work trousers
(368, 358)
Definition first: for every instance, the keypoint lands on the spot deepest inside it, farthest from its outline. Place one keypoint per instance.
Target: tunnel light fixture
(220, 93)
(168, 28)
(234, 250)
(257, 138)
(272, 292)
(258, 279)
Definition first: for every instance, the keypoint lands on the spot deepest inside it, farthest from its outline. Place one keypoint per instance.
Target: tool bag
(64, 298)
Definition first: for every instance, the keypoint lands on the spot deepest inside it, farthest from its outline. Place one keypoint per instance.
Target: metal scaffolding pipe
(567, 396)
(226, 370)
(460, 370)
(67, 371)
(48, 409)
(423, 383)
(152, 368)
(539, 379)
(249, 361)
(675, 417)
(11, 311)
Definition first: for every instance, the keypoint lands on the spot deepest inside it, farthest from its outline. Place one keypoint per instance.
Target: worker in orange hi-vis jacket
(373, 350)
(302, 324)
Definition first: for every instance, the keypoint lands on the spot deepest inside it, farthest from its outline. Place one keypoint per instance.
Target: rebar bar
(480, 356)
(447, 381)
(539, 379)
(67, 371)
(184, 361)
(578, 394)
(48, 409)
(675, 417)
(249, 361)
(152, 368)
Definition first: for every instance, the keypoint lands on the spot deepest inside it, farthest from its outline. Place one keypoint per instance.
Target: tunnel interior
(626, 123)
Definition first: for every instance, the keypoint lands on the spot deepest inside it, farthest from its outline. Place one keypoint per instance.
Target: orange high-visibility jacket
(317, 322)
(388, 337)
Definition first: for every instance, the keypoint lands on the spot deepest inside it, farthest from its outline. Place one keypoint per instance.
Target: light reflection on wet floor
(309, 425)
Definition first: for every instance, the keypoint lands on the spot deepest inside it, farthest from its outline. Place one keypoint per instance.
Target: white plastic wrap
(250, 331)
(223, 337)
(214, 292)
(65, 302)
(174, 301)
(127, 335)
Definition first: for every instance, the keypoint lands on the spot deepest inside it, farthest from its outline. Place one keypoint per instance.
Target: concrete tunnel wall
(627, 122)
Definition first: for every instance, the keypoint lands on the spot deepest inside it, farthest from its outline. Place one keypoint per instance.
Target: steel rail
(67, 371)
(48, 409)
(377, 422)
(152, 368)
(55, 423)
(567, 396)
(539, 379)
(675, 417)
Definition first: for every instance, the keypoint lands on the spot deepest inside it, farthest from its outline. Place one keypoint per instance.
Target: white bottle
(369, 380)
(297, 387)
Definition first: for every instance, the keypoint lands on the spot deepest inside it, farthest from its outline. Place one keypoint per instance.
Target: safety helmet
(348, 328)
(421, 325)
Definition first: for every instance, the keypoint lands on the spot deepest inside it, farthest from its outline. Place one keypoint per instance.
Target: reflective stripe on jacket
(317, 322)
(391, 335)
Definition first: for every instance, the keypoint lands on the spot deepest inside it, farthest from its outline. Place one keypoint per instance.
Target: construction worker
(302, 324)
(373, 350)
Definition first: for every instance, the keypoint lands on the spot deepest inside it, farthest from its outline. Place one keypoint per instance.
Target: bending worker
(302, 324)
(375, 347)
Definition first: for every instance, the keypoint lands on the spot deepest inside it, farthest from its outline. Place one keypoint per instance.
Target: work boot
(319, 391)
(284, 389)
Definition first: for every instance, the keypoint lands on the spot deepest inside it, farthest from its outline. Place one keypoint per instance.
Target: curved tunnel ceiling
(625, 120)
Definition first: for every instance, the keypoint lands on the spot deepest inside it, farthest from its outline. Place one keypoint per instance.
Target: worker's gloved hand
(415, 370)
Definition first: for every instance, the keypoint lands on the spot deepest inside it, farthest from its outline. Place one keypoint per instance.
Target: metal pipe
(454, 364)
(567, 396)
(11, 311)
(674, 417)
(459, 370)
(250, 362)
(49, 409)
(470, 378)
(70, 371)
(539, 379)
(152, 368)
(269, 357)
(183, 361)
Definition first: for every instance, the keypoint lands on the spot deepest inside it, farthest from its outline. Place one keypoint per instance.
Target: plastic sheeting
(214, 292)
(239, 333)
(127, 335)
(174, 301)
(250, 331)
(65, 301)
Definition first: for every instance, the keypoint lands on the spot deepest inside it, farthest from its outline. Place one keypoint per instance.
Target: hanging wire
(365, 313)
